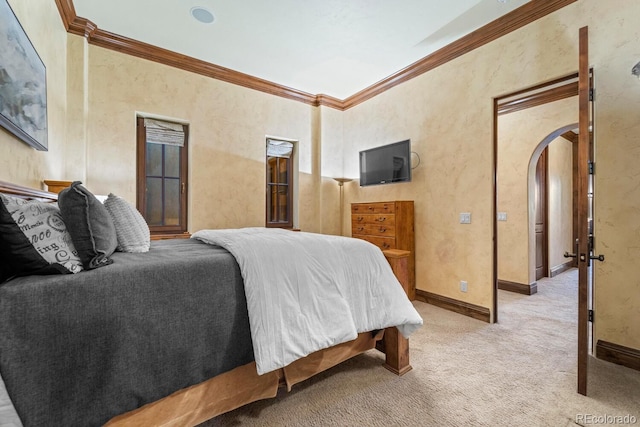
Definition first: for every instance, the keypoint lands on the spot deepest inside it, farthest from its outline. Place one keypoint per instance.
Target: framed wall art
(23, 83)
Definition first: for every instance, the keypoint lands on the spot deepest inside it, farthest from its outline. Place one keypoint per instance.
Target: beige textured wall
(77, 109)
(332, 158)
(447, 114)
(227, 123)
(19, 163)
(614, 49)
(454, 174)
(560, 186)
(519, 135)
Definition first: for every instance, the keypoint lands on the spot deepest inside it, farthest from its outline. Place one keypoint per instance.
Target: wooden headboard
(26, 192)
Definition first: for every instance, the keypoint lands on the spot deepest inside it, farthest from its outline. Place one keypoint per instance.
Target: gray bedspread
(76, 350)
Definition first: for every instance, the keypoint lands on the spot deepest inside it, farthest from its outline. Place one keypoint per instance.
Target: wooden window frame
(289, 222)
(141, 201)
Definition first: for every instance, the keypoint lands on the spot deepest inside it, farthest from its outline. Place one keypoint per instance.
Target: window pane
(271, 169)
(171, 161)
(154, 160)
(172, 201)
(153, 215)
(283, 195)
(273, 203)
(282, 171)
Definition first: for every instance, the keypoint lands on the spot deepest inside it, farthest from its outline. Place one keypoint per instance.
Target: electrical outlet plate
(465, 218)
(502, 216)
(463, 286)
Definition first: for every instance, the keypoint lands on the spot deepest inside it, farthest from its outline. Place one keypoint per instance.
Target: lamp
(636, 70)
(341, 182)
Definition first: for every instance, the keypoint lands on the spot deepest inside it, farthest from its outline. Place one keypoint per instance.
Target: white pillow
(131, 228)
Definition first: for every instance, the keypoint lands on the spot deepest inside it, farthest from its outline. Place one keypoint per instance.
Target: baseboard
(520, 288)
(618, 354)
(471, 310)
(561, 268)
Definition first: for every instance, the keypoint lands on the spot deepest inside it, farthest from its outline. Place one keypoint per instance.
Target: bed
(162, 337)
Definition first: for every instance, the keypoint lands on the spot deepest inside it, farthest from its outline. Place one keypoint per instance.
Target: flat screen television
(386, 164)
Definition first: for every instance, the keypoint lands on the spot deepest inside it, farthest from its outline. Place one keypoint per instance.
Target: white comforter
(308, 291)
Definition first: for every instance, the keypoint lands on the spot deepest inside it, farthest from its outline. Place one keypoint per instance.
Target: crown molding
(67, 12)
(98, 37)
(512, 21)
(330, 101)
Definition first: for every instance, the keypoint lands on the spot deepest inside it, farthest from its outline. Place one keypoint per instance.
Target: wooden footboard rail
(196, 404)
(26, 192)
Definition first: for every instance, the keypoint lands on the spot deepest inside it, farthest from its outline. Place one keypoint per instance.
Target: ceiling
(330, 47)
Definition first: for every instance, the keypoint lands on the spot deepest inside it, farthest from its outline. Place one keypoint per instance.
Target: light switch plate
(465, 218)
(463, 286)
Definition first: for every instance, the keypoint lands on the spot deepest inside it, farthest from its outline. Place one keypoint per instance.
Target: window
(162, 175)
(279, 183)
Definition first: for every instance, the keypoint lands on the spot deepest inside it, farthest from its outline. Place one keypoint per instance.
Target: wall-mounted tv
(386, 164)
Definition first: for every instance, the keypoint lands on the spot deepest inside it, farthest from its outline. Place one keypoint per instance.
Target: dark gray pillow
(89, 224)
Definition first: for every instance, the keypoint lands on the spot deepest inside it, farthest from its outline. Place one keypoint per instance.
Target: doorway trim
(542, 93)
(531, 188)
(540, 204)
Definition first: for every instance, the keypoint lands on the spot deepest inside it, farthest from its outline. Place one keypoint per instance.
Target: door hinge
(591, 316)
(592, 94)
(592, 168)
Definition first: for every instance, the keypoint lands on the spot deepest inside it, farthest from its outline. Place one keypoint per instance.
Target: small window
(279, 183)
(162, 175)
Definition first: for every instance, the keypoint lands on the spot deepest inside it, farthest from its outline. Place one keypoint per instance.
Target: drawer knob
(385, 245)
(360, 228)
(370, 208)
(359, 219)
(382, 229)
(381, 219)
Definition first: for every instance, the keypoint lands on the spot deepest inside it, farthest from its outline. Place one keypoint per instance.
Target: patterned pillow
(131, 228)
(89, 225)
(34, 239)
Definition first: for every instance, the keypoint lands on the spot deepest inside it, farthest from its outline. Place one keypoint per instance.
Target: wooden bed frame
(196, 404)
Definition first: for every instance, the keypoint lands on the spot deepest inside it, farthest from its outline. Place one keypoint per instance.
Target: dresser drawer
(388, 225)
(373, 208)
(383, 243)
(374, 219)
(374, 229)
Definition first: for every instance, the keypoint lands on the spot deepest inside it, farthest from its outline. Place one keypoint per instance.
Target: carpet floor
(518, 372)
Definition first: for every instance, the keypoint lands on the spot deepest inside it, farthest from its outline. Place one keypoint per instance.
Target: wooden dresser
(388, 225)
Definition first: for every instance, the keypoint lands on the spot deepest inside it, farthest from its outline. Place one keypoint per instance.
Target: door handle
(582, 257)
(568, 255)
